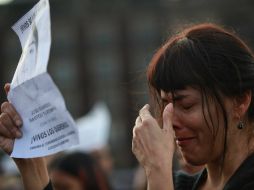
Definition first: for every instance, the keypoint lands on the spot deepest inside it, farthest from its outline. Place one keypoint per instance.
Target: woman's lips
(184, 141)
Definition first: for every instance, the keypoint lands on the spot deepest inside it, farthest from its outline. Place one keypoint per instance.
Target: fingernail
(146, 106)
(18, 134)
(169, 106)
(18, 122)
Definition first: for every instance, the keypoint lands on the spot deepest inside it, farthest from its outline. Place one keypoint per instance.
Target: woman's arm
(154, 147)
(33, 171)
(160, 177)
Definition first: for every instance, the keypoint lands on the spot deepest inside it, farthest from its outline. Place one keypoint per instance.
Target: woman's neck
(237, 151)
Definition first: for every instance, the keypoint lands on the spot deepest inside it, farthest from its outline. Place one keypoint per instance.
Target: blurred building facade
(100, 50)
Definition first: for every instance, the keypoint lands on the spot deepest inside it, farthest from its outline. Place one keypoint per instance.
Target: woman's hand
(154, 147)
(33, 171)
(10, 125)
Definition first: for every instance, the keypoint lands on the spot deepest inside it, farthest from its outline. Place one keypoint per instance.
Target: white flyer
(47, 125)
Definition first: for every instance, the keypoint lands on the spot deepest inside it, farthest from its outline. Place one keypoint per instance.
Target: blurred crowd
(94, 170)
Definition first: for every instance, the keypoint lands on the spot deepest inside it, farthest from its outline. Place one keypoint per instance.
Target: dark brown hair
(83, 167)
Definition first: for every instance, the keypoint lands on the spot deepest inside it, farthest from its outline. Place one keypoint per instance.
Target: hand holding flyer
(47, 125)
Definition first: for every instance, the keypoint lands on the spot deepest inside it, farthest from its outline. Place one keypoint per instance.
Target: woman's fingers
(10, 121)
(149, 139)
(138, 121)
(4, 131)
(7, 127)
(7, 88)
(6, 144)
(168, 117)
(144, 113)
(8, 108)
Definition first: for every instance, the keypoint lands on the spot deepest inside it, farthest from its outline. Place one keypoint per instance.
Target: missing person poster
(47, 125)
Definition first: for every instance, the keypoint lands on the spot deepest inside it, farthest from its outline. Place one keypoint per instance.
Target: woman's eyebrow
(179, 97)
(176, 97)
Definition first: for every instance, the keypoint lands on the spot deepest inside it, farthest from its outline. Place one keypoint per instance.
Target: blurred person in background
(11, 182)
(9, 175)
(77, 171)
(104, 158)
(94, 130)
(139, 179)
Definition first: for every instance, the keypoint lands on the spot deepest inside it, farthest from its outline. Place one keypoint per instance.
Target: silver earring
(240, 125)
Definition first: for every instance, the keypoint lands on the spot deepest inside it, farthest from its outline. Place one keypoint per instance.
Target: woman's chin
(194, 160)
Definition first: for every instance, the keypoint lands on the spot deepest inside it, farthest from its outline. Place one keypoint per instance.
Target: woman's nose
(176, 121)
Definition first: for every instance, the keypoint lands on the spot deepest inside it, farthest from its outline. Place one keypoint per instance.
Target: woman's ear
(242, 103)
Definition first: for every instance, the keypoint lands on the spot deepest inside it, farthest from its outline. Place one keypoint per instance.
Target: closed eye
(187, 106)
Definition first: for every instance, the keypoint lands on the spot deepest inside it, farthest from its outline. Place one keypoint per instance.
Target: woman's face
(200, 142)
(63, 181)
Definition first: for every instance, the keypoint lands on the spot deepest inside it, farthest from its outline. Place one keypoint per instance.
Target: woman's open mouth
(184, 141)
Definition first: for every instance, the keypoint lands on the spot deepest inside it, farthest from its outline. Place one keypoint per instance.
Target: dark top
(49, 187)
(242, 179)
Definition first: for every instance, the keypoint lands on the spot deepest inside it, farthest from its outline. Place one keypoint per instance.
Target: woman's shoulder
(243, 177)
